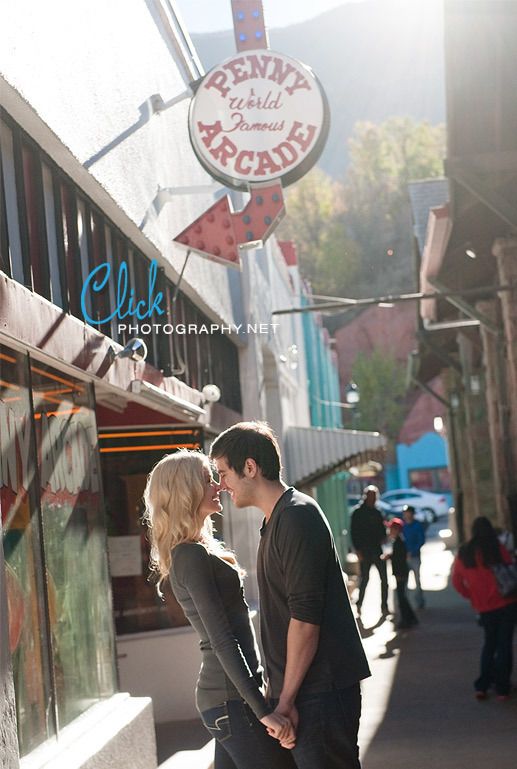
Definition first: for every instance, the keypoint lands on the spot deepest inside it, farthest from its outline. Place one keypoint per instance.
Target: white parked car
(428, 506)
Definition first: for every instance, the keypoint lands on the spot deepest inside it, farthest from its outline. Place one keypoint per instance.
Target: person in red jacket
(474, 579)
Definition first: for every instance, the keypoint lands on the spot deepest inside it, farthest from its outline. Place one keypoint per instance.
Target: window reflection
(75, 540)
(59, 601)
(27, 621)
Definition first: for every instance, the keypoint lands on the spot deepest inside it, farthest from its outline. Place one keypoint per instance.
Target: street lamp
(352, 397)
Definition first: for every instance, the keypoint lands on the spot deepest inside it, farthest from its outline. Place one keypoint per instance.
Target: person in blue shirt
(414, 537)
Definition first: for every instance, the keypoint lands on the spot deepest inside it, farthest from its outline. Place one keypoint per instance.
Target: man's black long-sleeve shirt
(367, 530)
(300, 577)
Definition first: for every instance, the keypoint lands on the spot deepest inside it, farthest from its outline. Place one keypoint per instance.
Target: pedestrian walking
(414, 538)
(313, 652)
(368, 534)
(474, 579)
(400, 568)
(180, 496)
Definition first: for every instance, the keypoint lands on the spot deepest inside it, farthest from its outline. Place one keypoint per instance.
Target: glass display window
(28, 618)
(54, 535)
(127, 457)
(74, 536)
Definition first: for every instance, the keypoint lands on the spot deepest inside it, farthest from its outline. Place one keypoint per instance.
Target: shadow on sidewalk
(430, 718)
(175, 736)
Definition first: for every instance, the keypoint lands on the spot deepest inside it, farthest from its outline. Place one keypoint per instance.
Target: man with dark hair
(367, 532)
(314, 656)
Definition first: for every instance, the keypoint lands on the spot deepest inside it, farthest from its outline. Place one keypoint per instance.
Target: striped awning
(314, 453)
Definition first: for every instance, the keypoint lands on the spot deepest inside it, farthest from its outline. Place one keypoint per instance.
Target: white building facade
(97, 169)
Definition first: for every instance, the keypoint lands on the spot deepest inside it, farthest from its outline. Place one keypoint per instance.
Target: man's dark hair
(253, 440)
(409, 509)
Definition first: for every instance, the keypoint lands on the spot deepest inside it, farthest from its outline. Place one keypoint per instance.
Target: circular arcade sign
(257, 118)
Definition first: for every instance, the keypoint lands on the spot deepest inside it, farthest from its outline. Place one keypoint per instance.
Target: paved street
(419, 709)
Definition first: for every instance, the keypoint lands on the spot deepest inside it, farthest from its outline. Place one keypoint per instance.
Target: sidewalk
(419, 710)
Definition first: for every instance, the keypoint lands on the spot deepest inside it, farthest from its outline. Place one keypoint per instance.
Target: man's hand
(281, 728)
(288, 710)
(302, 644)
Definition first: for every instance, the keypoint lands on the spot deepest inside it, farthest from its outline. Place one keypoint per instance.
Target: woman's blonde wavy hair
(174, 491)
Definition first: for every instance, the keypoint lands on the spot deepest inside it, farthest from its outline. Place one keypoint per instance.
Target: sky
(213, 15)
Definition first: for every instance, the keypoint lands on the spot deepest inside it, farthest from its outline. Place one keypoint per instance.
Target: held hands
(287, 709)
(281, 728)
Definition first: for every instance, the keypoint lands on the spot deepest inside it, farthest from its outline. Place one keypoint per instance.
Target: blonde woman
(180, 496)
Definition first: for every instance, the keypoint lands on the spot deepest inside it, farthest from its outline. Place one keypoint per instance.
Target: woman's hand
(280, 728)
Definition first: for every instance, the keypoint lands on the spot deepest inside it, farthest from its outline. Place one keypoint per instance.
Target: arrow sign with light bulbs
(257, 122)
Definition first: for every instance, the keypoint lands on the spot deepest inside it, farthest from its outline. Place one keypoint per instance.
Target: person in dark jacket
(400, 569)
(368, 534)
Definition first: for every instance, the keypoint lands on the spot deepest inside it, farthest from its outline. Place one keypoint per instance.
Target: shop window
(28, 619)
(52, 237)
(60, 612)
(436, 479)
(139, 272)
(10, 195)
(5, 262)
(100, 299)
(68, 223)
(127, 456)
(74, 538)
(120, 253)
(111, 300)
(443, 476)
(34, 210)
(84, 241)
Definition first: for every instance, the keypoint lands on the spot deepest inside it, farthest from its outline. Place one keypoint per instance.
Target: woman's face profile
(210, 503)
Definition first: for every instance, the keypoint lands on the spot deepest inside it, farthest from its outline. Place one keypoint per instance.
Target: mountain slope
(375, 59)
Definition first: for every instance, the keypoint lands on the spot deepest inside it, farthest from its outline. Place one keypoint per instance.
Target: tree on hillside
(356, 239)
(380, 379)
(329, 257)
(383, 160)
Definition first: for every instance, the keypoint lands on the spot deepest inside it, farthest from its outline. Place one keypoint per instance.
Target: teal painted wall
(322, 374)
(323, 385)
(331, 496)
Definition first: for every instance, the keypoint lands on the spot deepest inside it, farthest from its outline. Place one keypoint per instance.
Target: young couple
(314, 656)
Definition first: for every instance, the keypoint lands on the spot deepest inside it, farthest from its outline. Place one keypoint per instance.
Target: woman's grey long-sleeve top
(210, 593)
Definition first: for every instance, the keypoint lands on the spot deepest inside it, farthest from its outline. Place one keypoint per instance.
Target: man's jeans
(327, 731)
(414, 562)
(367, 561)
(242, 741)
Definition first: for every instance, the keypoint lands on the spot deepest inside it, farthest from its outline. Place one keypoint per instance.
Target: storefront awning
(165, 401)
(314, 453)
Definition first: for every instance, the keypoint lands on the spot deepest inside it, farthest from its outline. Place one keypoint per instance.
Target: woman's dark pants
(496, 654)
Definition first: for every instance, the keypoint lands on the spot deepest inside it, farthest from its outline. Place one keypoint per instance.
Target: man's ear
(250, 469)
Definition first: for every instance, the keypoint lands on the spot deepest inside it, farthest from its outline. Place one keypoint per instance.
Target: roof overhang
(315, 453)
(439, 228)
